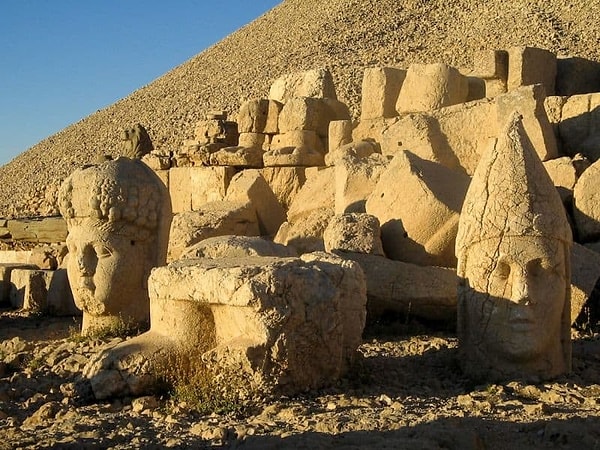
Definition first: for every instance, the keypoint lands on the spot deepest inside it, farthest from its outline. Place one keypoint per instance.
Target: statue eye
(502, 270)
(540, 266)
(102, 251)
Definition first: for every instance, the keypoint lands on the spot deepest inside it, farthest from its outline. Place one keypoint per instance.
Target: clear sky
(62, 60)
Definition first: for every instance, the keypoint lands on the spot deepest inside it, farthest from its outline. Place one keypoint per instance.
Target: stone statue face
(514, 296)
(107, 271)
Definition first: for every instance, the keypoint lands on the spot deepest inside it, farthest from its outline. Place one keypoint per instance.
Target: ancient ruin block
(585, 272)
(513, 250)
(250, 186)
(118, 214)
(213, 219)
(29, 289)
(238, 157)
(295, 148)
(586, 208)
(192, 187)
(259, 116)
(45, 229)
(417, 203)
(491, 64)
(529, 102)
(380, 90)
(252, 140)
(530, 65)
(231, 246)
(216, 130)
(279, 325)
(428, 87)
(298, 139)
(353, 232)
(5, 281)
(564, 173)
(340, 133)
(425, 292)
(285, 182)
(356, 149)
(579, 126)
(317, 83)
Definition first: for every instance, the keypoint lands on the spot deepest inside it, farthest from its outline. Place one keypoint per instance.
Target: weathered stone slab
(579, 126)
(236, 247)
(316, 83)
(259, 116)
(585, 272)
(285, 182)
(192, 187)
(586, 207)
(530, 65)
(380, 90)
(353, 232)
(47, 229)
(5, 283)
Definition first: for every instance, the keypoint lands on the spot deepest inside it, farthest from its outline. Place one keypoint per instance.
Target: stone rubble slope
(344, 35)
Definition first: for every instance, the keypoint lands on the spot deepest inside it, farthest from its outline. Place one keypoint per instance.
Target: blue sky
(61, 60)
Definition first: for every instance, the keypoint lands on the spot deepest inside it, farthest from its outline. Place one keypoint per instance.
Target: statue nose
(84, 262)
(520, 292)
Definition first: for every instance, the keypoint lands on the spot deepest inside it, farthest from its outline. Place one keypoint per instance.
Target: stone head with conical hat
(118, 215)
(513, 250)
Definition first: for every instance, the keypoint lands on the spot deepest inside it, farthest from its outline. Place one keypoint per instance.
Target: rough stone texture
(417, 203)
(428, 87)
(236, 247)
(353, 232)
(259, 116)
(288, 324)
(579, 126)
(513, 250)
(48, 229)
(529, 65)
(5, 281)
(285, 182)
(252, 187)
(355, 179)
(586, 204)
(48, 256)
(192, 187)
(118, 214)
(214, 219)
(295, 148)
(317, 83)
(357, 150)
(238, 157)
(564, 173)
(339, 134)
(29, 289)
(492, 67)
(424, 292)
(585, 272)
(298, 35)
(379, 92)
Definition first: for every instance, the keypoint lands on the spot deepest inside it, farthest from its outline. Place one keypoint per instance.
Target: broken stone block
(353, 232)
(428, 87)
(340, 133)
(418, 203)
(491, 64)
(297, 139)
(285, 182)
(585, 272)
(60, 300)
(238, 157)
(29, 289)
(380, 90)
(586, 208)
(14, 256)
(253, 140)
(530, 65)
(529, 102)
(355, 178)
(236, 247)
(280, 325)
(564, 173)
(214, 219)
(48, 256)
(425, 292)
(259, 116)
(293, 156)
(358, 149)
(251, 187)
(192, 187)
(157, 160)
(210, 131)
(46, 229)
(5, 283)
(579, 126)
(311, 114)
(317, 83)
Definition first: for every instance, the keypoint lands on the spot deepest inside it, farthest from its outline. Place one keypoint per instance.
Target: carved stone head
(118, 215)
(513, 250)
(135, 142)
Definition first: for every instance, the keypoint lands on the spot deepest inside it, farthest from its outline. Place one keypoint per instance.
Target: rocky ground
(406, 391)
(343, 35)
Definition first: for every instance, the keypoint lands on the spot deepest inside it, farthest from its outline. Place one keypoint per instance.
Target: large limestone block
(353, 232)
(282, 325)
(238, 157)
(313, 114)
(425, 292)
(298, 139)
(236, 247)
(428, 87)
(47, 229)
(15, 256)
(214, 219)
(418, 203)
(529, 102)
(316, 192)
(259, 116)
(358, 149)
(585, 272)
(250, 186)
(491, 64)
(586, 204)
(192, 187)
(355, 179)
(339, 134)
(530, 65)
(579, 126)
(60, 301)
(576, 75)
(380, 90)
(316, 83)
(5, 282)
(305, 233)
(285, 182)
(29, 289)
(564, 173)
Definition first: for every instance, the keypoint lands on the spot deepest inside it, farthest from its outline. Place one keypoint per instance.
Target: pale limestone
(417, 203)
(358, 150)
(305, 233)
(238, 157)
(192, 187)
(353, 232)
(232, 246)
(254, 140)
(316, 83)
(251, 187)
(285, 182)
(259, 116)
(379, 92)
(428, 87)
(5, 281)
(564, 173)
(281, 325)
(213, 219)
(311, 114)
(339, 134)
(586, 207)
(290, 156)
(585, 272)
(579, 126)
(424, 292)
(513, 250)
(530, 65)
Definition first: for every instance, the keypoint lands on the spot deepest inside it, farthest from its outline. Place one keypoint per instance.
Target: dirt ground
(406, 391)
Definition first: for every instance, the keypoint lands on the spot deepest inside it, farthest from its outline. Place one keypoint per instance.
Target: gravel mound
(344, 35)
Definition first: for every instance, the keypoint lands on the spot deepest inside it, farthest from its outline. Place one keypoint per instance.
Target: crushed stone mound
(344, 35)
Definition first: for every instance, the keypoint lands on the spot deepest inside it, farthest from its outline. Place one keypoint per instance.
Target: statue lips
(522, 319)
(86, 283)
